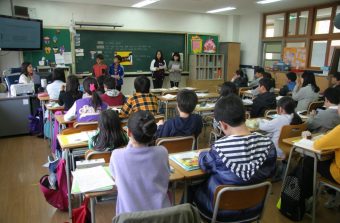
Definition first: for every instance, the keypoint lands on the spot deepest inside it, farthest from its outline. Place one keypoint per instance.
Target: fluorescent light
(221, 10)
(144, 3)
(267, 1)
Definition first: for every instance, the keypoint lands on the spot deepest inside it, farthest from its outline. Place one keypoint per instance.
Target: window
(292, 23)
(334, 44)
(272, 53)
(318, 53)
(335, 30)
(295, 44)
(303, 22)
(323, 20)
(275, 25)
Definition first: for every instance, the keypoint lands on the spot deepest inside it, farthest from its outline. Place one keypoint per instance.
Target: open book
(187, 160)
(80, 137)
(169, 96)
(307, 143)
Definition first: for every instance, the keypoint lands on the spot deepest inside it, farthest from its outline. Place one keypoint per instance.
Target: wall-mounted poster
(196, 44)
(202, 44)
(127, 57)
(295, 56)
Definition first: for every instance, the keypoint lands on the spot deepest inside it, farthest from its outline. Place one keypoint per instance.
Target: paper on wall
(68, 57)
(59, 59)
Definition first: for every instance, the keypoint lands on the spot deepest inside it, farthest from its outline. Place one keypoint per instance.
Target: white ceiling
(201, 6)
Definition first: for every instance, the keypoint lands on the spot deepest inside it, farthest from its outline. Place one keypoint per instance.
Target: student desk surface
(200, 96)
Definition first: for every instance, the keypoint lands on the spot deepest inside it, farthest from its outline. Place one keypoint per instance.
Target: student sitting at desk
(100, 68)
(186, 124)
(255, 92)
(53, 89)
(336, 80)
(227, 88)
(286, 115)
(72, 93)
(112, 97)
(305, 91)
(238, 158)
(110, 133)
(117, 72)
(258, 76)
(26, 76)
(141, 172)
(141, 100)
(240, 79)
(89, 107)
(325, 120)
(329, 169)
(265, 100)
(291, 82)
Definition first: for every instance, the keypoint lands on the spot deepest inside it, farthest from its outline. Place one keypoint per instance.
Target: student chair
(241, 90)
(92, 154)
(172, 105)
(315, 105)
(236, 198)
(177, 144)
(269, 113)
(289, 131)
(80, 127)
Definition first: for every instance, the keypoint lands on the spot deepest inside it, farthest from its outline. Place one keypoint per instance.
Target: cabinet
(232, 58)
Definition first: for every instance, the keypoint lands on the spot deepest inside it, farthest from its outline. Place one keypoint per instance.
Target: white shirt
(23, 79)
(153, 68)
(273, 127)
(54, 88)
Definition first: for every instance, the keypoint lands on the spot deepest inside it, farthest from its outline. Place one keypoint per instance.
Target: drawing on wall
(196, 44)
(209, 46)
(47, 40)
(127, 57)
(295, 56)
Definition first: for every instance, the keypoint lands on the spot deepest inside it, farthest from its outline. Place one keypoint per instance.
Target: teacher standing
(158, 67)
(175, 70)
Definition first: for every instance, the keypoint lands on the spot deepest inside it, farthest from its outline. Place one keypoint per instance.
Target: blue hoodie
(181, 127)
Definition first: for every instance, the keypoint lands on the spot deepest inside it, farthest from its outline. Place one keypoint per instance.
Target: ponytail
(96, 100)
(142, 126)
(296, 120)
(90, 87)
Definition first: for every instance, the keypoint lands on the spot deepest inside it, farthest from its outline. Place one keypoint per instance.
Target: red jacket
(115, 99)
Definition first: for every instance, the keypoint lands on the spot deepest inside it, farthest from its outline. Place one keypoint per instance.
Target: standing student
(325, 120)
(72, 93)
(112, 97)
(100, 68)
(291, 82)
(240, 79)
(141, 100)
(53, 89)
(141, 172)
(26, 76)
(265, 100)
(110, 133)
(89, 107)
(158, 67)
(285, 116)
(175, 69)
(305, 91)
(117, 72)
(238, 158)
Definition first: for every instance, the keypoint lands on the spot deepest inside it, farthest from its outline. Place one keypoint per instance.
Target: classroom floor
(21, 160)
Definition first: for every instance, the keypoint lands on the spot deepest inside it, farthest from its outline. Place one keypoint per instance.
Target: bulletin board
(202, 44)
(295, 56)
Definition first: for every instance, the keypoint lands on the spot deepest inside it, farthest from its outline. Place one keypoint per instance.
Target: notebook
(187, 160)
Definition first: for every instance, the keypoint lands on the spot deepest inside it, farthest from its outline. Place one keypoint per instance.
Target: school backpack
(56, 197)
(82, 214)
(292, 196)
(36, 122)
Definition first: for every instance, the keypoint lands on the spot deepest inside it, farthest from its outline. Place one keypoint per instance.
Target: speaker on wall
(337, 21)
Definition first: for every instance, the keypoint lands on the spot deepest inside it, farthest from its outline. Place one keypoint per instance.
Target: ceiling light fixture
(267, 1)
(221, 10)
(144, 3)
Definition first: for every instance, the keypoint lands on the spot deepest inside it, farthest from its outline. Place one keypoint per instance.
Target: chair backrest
(158, 118)
(169, 92)
(270, 112)
(243, 89)
(228, 197)
(289, 131)
(177, 144)
(315, 105)
(80, 127)
(92, 154)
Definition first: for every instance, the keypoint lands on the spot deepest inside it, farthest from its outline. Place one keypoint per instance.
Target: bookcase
(206, 71)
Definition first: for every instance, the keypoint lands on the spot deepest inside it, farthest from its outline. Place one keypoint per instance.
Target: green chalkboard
(57, 38)
(142, 44)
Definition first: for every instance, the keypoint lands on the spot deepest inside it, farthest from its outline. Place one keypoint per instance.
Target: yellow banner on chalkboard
(127, 57)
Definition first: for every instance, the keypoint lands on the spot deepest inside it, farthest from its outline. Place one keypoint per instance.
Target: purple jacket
(85, 112)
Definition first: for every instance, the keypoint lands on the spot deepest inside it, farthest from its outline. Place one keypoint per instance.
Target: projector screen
(20, 34)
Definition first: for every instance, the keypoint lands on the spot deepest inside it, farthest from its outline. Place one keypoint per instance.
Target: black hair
(176, 54)
(259, 70)
(110, 83)
(118, 57)
(58, 74)
(100, 56)
(100, 81)
(332, 95)
(24, 66)
(111, 134)
(289, 105)
(266, 74)
(187, 100)
(337, 76)
(309, 78)
(266, 83)
(230, 110)
(162, 58)
(228, 88)
(72, 85)
(96, 100)
(240, 73)
(142, 84)
(142, 126)
(291, 76)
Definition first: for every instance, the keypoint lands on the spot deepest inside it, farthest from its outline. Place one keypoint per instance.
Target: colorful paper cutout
(55, 39)
(47, 40)
(127, 57)
(196, 44)
(55, 50)
(209, 46)
(62, 49)
(47, 50)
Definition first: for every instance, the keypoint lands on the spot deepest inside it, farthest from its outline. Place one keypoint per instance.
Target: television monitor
(20, 33)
